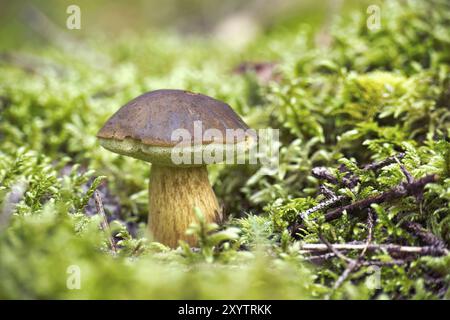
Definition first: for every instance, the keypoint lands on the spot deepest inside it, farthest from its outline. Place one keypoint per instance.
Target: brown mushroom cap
(152, 117)
(143, 127)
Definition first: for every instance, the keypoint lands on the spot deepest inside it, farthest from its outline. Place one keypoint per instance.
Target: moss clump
(369, 95)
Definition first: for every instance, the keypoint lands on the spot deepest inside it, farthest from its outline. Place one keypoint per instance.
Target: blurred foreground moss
(38, 253)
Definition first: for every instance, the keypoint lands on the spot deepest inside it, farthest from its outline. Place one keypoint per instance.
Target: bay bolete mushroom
(144, 129)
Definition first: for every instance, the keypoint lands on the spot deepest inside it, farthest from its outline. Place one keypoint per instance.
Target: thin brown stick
(322, 173)
(396, 262)
(104, 222)
(351, 265)
(334, 250)
(327, 192)
(354, 264)
(370, 225)
(350, 268)
(323, 205)
(319, 257)
(391, 248)
(330, 255)
(409, 177)
(374, 166)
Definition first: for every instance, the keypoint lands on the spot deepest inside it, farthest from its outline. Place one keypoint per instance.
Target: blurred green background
(234, 22)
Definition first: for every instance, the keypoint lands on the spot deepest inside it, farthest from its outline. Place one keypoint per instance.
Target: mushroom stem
(173, 194)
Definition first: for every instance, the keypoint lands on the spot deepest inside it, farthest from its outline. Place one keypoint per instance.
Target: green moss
(367, 96)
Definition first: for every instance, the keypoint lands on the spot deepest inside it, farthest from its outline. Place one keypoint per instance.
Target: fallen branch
(350, 181)
(402, 190)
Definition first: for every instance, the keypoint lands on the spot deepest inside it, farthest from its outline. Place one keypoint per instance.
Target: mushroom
(144, 129)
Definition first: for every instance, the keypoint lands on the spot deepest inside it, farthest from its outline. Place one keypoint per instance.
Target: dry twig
(390, 248)
(354, 264)
(374, 166)
(104, 222)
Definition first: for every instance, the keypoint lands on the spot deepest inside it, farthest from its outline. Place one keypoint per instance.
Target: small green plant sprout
(210, 238)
